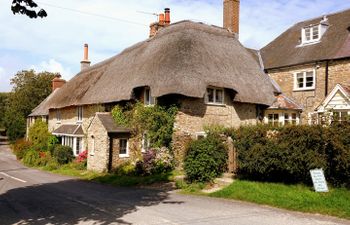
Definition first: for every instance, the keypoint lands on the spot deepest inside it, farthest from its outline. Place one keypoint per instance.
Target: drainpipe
(327, 77)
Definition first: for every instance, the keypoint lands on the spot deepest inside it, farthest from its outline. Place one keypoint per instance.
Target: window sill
(215, 104)
(124, 156)
(308, 43)
(58, 122)
(304, 89)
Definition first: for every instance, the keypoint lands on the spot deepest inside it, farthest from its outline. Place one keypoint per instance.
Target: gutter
(327, 79)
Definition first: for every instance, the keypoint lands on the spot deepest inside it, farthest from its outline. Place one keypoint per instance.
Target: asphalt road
(29, 196)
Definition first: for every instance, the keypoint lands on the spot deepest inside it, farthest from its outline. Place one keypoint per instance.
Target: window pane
(123, 146)
(286, 116)
(147, 97)
(275, 117)
(315, 32)
(219, 98)
(307, 34)
(270, 119)
(77, 147)
(300, 80)
(309, 79)
(344, 116)
(210, 93)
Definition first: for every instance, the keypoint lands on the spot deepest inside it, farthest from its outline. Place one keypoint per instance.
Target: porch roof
(69, 130)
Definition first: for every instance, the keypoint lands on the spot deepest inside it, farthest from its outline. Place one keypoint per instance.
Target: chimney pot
(161, 19)
(167, 16)
(85, 63)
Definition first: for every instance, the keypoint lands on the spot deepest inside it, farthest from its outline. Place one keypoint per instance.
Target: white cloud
(5, 81)
(53, 66)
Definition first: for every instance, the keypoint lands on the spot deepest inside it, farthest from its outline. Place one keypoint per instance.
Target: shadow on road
(73, 202)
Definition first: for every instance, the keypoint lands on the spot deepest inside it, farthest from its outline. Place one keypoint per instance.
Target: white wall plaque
(319, 180)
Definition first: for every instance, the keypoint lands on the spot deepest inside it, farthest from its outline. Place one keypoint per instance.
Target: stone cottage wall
(97, 160)
(194, 114)
(69, 116)
(339, 72)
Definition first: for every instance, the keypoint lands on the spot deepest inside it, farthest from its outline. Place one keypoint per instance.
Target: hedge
(286, 154)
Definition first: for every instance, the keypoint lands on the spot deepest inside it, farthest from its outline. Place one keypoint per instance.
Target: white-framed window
(93, 145)
(273, 119)
(76, 143)
(340, 116)
(123, 148)
(80, 114)
(58, 115)
(311, 34)
(148, 99)
(304, 80)
(145, 142)
(290, 118)
(215, 96)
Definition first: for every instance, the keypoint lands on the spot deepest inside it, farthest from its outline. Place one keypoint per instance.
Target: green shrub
(20, 147)
(155, 161)
(52, 165)
(63, 154)
(31, 158)
(44, 158)
(338, 150)
(40, 136)
(286, 154)
(126, 168)
(206, 159)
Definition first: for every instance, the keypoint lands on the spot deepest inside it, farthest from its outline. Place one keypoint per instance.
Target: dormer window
(148, 99)
(215, 96)
(311, 34)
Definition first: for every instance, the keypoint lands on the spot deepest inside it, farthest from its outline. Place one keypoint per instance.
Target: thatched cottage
(311, 59)
(203, 68)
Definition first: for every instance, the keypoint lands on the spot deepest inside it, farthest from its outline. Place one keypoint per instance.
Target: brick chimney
(57, 82)
(85, 63)
(231, 15)
(163, 21)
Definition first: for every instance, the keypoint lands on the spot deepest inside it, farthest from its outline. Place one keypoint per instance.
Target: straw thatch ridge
(285, 50)
(183, 58)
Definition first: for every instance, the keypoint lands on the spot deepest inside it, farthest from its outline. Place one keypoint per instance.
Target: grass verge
(110, 178)
(292, 197)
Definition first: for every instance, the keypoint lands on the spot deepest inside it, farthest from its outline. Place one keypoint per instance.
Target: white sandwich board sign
(319, 180)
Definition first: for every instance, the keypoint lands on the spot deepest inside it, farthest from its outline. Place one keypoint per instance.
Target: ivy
(157, 120)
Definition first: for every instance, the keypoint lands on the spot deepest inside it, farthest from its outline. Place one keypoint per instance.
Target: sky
(55, 43)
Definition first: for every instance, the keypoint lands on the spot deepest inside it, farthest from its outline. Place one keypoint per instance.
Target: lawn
(292, 197)
(110, 178)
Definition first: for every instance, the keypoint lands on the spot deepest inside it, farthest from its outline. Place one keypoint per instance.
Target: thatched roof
(43, 108)
(183, 58)
(335, 43)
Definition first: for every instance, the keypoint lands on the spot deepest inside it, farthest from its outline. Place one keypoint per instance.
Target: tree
(26, 7)
(3, 103)
(29, 90)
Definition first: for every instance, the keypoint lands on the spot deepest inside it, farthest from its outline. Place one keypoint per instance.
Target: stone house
(309, 59)
(204, 69)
